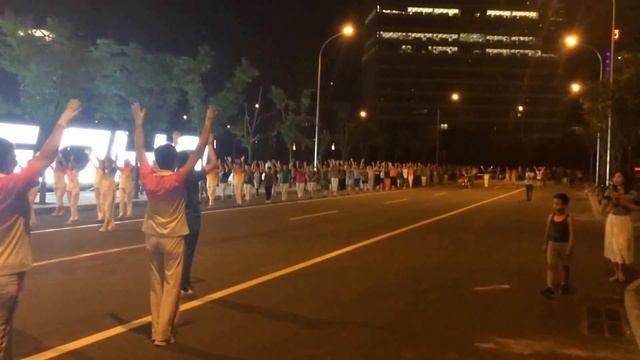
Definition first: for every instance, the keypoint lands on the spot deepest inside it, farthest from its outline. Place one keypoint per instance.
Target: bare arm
(187, 168)
(49, 150)
(138, 118)
(546, 233)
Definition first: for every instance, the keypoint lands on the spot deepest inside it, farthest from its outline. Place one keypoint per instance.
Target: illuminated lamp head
(166, 157)
(8, 160)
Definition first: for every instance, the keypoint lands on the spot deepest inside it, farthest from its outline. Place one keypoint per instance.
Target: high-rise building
(500, 55)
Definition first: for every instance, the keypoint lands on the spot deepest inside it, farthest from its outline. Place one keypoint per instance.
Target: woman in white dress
(618, 239)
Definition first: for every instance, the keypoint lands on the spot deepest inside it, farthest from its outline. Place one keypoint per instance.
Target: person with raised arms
(15, 248)
(165, 223)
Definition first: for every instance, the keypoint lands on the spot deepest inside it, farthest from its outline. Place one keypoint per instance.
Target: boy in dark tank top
(558, 246)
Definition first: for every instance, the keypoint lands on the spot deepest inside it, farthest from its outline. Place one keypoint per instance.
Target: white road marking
(440, 194)
(396, 201)
(103, 335)
(492, 287)
(81, 256)
(313, 215)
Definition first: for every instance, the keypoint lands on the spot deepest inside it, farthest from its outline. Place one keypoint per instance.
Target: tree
(247, 130)
(232, 96)
(293, 117)
(127, 73)
(49, 65)
(188, 73)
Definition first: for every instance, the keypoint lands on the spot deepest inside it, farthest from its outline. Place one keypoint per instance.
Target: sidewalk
(632, 292)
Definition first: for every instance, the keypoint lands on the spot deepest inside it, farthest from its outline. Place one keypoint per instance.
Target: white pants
(247, 191)
(212, 187)
(10, 289)
(74, 198)
(486, 180)
(312, 188)
(238, 193)
(96, 194)
(107, 200)
(410, 181)
(424, 181)
(60, 192)
(334, 186)
(166, 256)
(284, 188)
(300, 189)
(126, 201)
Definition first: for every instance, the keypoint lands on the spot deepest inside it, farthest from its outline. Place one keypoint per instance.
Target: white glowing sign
(19, 134)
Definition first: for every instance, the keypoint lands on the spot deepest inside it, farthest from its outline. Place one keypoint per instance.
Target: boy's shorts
(557, 254)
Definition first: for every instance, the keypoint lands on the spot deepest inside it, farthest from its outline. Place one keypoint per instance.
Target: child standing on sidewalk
(558, 246)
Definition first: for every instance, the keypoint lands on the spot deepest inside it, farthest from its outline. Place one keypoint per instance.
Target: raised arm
(49, 150)
(187, 168)
(138, 119)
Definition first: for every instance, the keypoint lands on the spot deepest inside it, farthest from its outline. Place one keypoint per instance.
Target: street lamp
(571, 41)
(454, 97)
(348, 31)
(575, 87)
(363, 114)
(520, 108)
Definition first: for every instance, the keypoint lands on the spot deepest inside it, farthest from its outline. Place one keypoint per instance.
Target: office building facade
(502, 56)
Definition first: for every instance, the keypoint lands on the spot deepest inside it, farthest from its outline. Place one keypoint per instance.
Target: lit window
(406, 49)
(396, 35)
(511, 52)
(511, 39)
(471, 37)
(512, 14)
(414, 10)
(20, 134)
(433, 11)
(443, 49)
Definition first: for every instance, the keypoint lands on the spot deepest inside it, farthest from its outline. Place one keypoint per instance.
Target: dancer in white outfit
(126, 190)
(108, 193)
(73, 190)
(59, 185)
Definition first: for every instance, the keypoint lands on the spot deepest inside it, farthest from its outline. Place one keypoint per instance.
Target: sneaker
(548, 293)
(163, 343)
(186, 292)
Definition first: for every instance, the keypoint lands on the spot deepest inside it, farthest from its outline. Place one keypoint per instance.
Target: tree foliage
(293, 117)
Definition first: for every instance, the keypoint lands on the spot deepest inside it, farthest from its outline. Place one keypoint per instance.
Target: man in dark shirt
(194, 213)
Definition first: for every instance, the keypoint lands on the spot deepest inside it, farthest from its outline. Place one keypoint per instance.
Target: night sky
(280, 37)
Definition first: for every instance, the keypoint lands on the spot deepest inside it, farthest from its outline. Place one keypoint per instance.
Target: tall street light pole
(610, 117)
(348, 31)
(572, 41)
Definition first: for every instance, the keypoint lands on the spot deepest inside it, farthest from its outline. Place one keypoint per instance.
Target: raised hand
(212, 113)
(138, 113)
(73, 109)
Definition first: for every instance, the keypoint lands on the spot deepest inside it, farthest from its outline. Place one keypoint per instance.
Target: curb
(632, 307)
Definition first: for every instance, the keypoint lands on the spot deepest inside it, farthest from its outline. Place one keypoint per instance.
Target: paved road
(440, 273)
